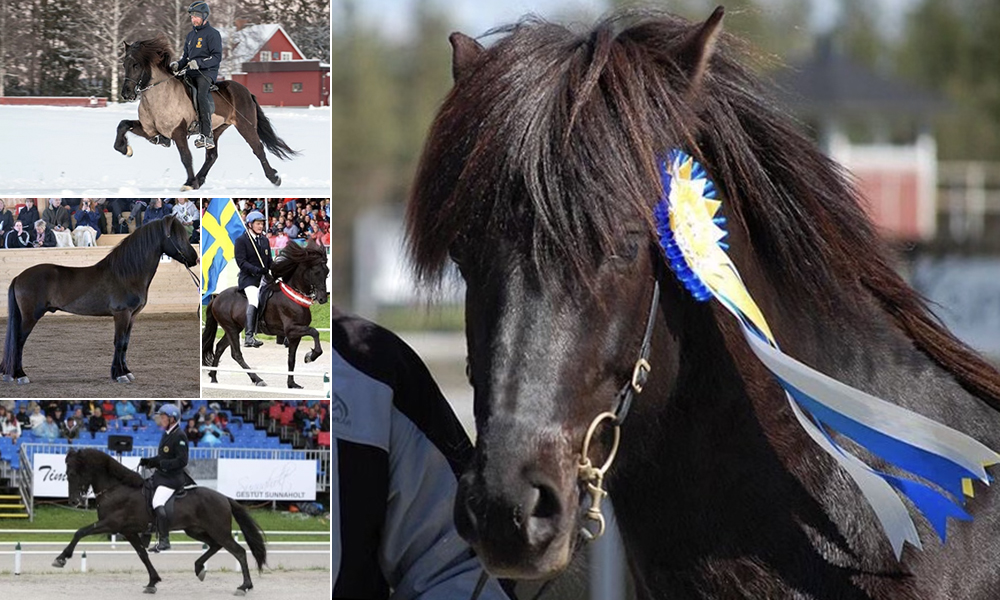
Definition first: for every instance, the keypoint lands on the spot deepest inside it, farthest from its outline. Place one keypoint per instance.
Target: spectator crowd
(296, 220)
(78, 222)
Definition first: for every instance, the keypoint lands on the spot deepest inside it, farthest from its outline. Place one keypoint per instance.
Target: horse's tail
(270, 139)
(252, 533)
(10, 353)
(208, 335)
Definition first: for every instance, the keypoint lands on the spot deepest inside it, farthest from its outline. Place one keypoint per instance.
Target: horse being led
(116, 287)
(166, 110)
(301, 274)
(203, 514)
(539, 180)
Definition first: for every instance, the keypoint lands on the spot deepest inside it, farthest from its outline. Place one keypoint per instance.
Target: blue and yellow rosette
(692, 234)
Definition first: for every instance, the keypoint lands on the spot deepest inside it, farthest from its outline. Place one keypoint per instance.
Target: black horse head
(78, 477)
(304, 268)
(138, 62)
(176, 242)
(538, 179)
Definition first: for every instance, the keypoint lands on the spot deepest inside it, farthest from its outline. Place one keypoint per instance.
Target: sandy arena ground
(121, 574)
(270, 357)
(70, 357)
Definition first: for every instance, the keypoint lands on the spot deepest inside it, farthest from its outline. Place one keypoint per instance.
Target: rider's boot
(205, 141)
(251, 325)
(163, 530)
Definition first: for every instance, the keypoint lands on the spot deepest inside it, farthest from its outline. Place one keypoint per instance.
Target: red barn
(274, 69)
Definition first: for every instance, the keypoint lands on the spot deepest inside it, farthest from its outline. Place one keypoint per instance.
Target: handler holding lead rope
(253, 256)
(170, 475)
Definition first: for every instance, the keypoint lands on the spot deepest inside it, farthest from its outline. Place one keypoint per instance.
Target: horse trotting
(166, 110)
(287, 314)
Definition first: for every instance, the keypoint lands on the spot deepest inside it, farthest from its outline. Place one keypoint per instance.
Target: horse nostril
(544, 510)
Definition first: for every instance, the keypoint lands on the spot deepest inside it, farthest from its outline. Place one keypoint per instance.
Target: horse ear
(465, 51)
(696, 49)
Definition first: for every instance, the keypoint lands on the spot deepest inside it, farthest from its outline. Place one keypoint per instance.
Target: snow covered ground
(52, 151)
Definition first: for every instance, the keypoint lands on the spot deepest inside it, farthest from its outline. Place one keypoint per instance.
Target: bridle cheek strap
(587, 473)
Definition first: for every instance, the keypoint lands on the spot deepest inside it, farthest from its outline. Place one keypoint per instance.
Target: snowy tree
(101, 29)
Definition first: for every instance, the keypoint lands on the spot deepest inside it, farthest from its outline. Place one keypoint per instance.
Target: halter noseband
(586, 472)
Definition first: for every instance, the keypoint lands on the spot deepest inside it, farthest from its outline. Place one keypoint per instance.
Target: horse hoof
(59, 562)
(23, 380)
(186, 188)
(276, 181)
(123, 379)
(309, 358)
(8, 378)
(261, 383)
(130, 376)
(128, 150)
(240, 592)
(201, 574)
(294, 386)
(149, 589)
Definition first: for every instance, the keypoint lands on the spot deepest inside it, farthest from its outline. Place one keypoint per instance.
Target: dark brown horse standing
(539, 179)
(166, 110)
(117, 286)
(203, 514)
(304, 269)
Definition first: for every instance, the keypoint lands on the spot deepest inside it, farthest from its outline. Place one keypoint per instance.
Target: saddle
(193, 91)
(266, 291)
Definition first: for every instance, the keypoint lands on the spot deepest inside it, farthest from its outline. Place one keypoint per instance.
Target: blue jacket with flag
(204, 45)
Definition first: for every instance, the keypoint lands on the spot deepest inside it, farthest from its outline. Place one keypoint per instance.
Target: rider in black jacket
(171, 458)
(252, 252)
(201, 58)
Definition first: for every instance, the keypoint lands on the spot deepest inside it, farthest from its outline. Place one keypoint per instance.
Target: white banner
(50, 474)
(244, 479)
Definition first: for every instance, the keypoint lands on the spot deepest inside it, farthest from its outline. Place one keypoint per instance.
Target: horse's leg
(102, 526)
(295, 333)
(211, 155)
(236, 550)
(293, 346)
(128, 336)
(134, 127)
(154, 577)
(237, 355)
(122, 319)
(213, 547)
(180, 138)
(219, 349)
(28, 322)
(249, 132)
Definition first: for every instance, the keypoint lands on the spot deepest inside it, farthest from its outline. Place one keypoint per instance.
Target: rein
(194, 278)
(587, 473)
(138, 85)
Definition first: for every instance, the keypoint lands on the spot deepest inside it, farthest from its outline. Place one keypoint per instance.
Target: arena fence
(25, 477)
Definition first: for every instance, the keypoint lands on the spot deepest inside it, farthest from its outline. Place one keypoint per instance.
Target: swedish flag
(221, 225)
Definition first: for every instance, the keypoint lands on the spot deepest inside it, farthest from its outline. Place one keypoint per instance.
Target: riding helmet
(254, 216)
(170, 410)
(201, 7)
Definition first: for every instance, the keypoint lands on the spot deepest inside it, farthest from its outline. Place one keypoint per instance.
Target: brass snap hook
(594, 477)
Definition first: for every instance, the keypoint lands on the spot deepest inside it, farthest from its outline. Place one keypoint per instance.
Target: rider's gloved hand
(144, 462)
(193, 65)
(174, 66)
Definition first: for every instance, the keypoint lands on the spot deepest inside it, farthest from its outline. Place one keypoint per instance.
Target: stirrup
(205, 141)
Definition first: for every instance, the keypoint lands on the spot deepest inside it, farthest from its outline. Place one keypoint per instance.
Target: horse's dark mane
(294, 256)
(152, 52)
(131, 256)
(94, 460)
(550, 141)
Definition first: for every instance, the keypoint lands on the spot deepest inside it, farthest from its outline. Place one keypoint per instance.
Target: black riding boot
(251, 326)
(163, 530)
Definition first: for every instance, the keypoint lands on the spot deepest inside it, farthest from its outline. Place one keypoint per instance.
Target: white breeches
(252, 292)
(161, 495)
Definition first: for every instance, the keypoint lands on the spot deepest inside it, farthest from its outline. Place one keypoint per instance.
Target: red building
(274, 69)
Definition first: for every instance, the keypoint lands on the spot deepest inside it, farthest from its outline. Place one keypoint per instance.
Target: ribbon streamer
(692, 239)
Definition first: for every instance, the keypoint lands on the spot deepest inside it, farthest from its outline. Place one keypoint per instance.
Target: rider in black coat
(253, 256)
(201, 58)
(170, 476)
